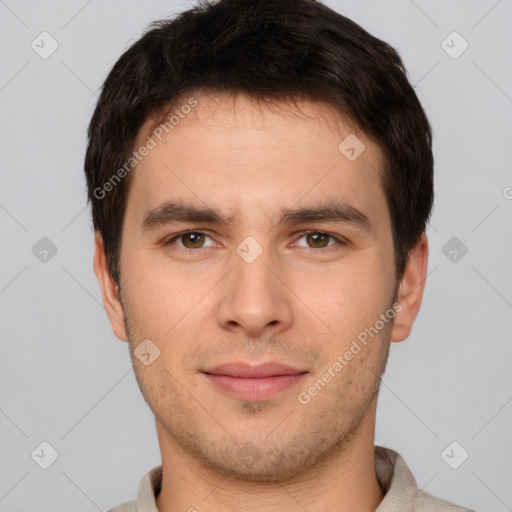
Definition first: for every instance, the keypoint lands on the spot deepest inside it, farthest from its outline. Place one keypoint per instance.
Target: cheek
(347, 295)
(348, 299)
(155, 285)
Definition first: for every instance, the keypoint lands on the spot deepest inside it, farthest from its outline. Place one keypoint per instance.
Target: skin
(301, 302)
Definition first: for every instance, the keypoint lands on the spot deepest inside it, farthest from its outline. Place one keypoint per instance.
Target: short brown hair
(272, 50)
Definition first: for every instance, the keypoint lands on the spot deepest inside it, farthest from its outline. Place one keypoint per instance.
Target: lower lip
(254, 388)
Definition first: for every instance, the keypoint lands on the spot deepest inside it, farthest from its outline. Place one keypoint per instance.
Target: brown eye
(189, 240)
(192, 240)
(318, 240)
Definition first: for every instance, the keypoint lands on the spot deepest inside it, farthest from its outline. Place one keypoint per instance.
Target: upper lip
(248, 371)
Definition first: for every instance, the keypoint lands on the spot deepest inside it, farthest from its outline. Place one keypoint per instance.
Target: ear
(109, 291)
(410, 290)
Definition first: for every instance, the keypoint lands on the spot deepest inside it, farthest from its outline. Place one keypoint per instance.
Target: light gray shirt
(395, 478)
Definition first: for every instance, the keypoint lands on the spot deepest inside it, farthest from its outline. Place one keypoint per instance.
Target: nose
(254, 299)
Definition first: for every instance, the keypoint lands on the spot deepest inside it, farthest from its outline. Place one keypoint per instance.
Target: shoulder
(425, 502)
(129, 506)
(149, 487)
(401, 489)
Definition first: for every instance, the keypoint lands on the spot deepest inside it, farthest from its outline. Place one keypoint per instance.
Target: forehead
(233, 153)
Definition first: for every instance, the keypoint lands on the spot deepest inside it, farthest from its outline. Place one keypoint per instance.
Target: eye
(319, 240)
(189, 240)
(194, 240)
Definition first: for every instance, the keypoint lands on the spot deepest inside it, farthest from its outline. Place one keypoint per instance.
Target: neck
(346, 481)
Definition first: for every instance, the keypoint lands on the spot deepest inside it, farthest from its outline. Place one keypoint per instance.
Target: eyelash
(329, 248)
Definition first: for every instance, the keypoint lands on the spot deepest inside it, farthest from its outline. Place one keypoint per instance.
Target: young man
(261, 176)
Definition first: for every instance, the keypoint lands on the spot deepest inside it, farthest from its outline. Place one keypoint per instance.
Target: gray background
(64, 377)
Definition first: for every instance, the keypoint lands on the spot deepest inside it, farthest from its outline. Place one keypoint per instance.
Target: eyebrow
(173, 212)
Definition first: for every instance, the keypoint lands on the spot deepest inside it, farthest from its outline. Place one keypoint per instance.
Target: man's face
(256, 291)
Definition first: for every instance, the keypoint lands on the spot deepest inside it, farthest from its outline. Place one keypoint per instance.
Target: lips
(247, 382)
(253, 372)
